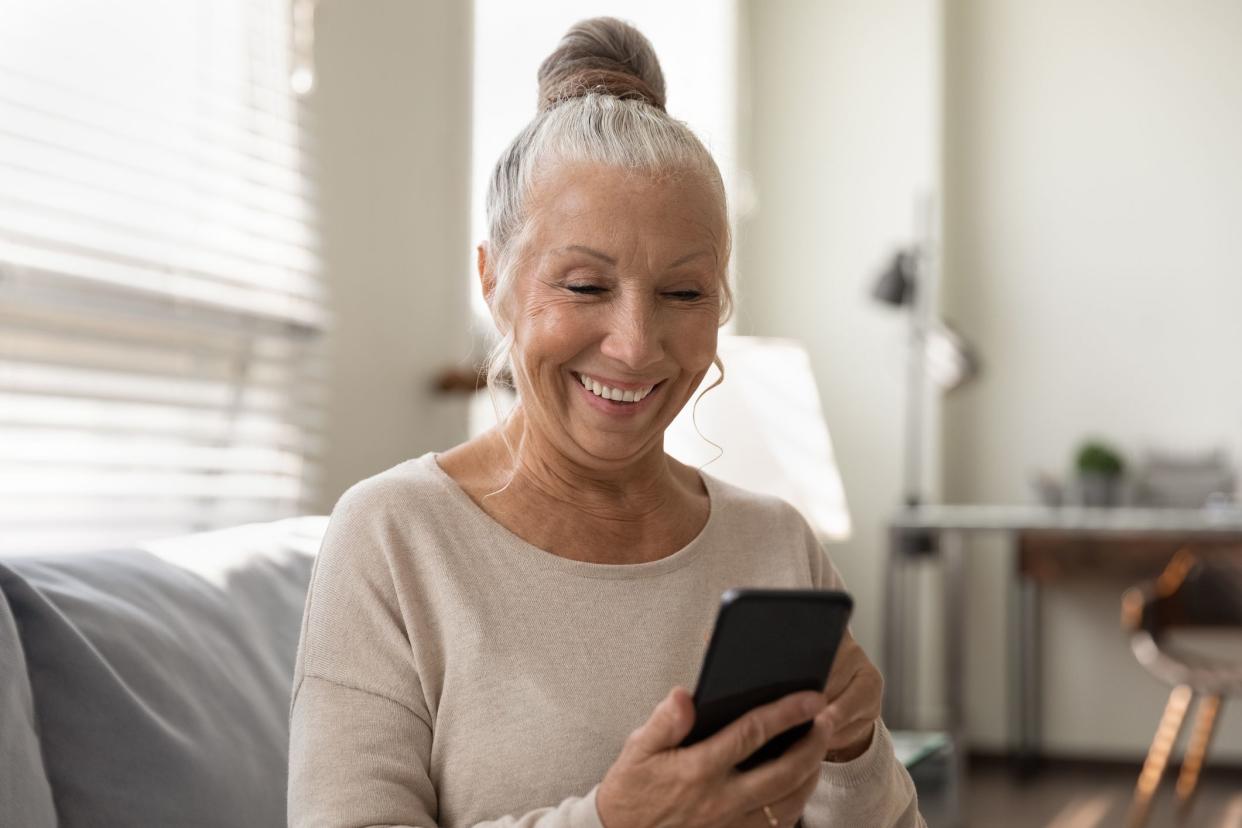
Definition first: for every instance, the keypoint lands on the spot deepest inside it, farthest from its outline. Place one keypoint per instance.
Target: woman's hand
(656, 783)
(854, 693)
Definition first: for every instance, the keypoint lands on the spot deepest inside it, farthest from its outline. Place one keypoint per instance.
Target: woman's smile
(613, 397)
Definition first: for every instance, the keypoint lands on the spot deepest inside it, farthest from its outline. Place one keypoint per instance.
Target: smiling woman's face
(616, 305)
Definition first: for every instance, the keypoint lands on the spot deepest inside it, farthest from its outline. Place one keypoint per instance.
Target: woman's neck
(638, 511)
(629, 491)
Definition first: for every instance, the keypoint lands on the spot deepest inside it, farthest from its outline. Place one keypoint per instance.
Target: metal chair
(1191, 593)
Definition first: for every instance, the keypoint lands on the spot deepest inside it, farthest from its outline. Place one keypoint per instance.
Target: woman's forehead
(608, 209)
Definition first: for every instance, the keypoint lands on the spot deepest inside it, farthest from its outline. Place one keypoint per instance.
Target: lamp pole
(921, 267)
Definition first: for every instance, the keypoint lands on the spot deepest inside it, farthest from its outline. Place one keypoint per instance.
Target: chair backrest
(1197, 592)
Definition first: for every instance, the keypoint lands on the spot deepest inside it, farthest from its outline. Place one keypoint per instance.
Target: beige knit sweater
(451, 674)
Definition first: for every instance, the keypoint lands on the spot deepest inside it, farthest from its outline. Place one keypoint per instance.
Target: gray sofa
(150, 685)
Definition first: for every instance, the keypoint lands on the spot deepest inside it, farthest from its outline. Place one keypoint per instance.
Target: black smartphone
(767, 643)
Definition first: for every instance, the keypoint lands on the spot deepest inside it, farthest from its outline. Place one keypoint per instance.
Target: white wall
(840, 142)
(392, 109)
(1094, 177)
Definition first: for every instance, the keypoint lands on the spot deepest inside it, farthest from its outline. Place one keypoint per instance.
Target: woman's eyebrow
(604, 257)
(578, 248)
(689, 257)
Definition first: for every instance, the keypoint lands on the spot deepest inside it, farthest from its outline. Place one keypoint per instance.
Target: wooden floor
(1090, 797)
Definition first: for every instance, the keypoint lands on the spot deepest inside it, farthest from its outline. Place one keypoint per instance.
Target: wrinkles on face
(620, 279)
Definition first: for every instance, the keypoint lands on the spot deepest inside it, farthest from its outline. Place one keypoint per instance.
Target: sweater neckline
(586, 569)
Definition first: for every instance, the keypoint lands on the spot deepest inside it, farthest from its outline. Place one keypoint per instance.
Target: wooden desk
(1046, 544)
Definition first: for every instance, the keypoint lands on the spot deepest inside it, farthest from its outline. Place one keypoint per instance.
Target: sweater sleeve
(358, 758)
(360, 730)
(873, 789)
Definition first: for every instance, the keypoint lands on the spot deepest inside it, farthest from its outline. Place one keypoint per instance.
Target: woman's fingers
(781, 777)
(859, 699)
(849, 659)
(854, 704)
(786, 809)
(752, 731)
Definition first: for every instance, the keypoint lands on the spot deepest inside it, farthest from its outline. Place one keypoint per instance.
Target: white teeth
(615, 394)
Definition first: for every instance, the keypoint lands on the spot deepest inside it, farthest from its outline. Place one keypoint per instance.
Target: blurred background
(236, 276)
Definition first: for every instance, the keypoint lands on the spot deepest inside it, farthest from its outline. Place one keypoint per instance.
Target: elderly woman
(502, 633)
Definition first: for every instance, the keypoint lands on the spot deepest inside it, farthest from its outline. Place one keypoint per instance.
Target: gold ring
(773, 821)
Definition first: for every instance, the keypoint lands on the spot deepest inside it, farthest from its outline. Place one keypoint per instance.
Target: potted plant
(1099, 468)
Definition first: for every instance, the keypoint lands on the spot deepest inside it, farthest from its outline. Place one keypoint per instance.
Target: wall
(1093, 207)
(392, 109)
(839, 145)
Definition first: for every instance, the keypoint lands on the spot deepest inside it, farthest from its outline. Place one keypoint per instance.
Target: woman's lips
(612, 406)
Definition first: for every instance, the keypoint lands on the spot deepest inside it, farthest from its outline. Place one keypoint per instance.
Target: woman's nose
(634, 337)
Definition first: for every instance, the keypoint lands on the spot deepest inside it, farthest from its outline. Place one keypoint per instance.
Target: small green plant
(1098, 458)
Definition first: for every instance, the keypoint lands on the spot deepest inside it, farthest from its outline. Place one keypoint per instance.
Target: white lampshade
(766, 417)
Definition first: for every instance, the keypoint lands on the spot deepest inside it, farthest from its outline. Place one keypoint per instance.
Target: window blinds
(162, 312)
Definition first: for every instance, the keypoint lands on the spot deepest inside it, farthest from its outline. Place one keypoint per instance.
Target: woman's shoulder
(381, 519)
(756, 520)
(354, 629)
(394, 488)
(740, 506)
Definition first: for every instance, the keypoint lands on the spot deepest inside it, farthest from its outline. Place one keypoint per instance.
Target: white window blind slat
(38, 379)
(192, 247)
(34, 447)
(293, 430)
(29, 266)
(92, 513)
(237, 121)
(73, 480)
(297, 369)
(177, 154)
(196, 249)
(233, 202)
(60, 339)
(163, 318)
(74, 42)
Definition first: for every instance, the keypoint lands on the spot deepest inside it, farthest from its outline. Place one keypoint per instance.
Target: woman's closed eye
(588, 289)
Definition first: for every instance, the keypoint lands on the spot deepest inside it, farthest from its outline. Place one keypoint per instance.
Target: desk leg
(953, 561)
(897, 599)
(1026, 669)
(954, 591)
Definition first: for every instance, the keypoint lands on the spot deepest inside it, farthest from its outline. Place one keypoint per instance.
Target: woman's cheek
(700, 342)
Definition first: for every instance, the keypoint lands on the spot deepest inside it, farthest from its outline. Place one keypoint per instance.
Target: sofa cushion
(25, 797)
(161, 674)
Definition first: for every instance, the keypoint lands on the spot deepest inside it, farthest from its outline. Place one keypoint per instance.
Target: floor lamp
(937, 352)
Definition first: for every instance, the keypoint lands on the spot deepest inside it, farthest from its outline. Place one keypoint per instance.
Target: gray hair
(601, 101)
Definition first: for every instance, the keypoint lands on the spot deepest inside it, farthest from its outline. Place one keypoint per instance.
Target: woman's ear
(487, 276)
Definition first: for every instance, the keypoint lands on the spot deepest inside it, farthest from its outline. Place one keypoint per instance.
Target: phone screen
(767, 643)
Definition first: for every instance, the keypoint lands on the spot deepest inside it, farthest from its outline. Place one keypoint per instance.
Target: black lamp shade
(896, 284)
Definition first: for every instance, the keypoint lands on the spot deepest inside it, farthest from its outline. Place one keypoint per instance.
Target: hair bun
(602, 55)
